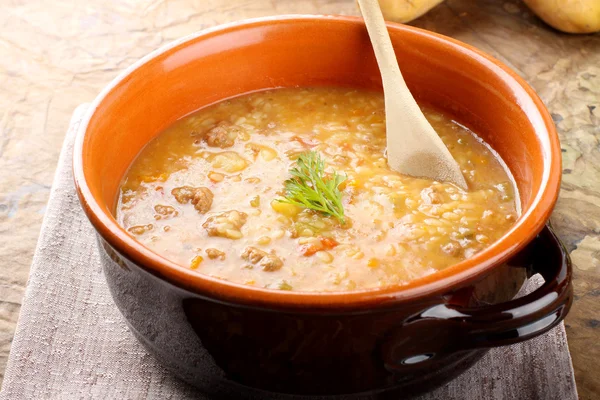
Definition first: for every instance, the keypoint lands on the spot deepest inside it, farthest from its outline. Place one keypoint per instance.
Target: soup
(290, 189)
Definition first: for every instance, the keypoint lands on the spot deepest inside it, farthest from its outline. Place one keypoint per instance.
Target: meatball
(163, 212)
(200, 197)
(140, 229)
(226, 224)
(223, 135)
(214, 254)
(268, 262)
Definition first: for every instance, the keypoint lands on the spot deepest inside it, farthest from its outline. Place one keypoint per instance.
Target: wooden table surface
(56, 55)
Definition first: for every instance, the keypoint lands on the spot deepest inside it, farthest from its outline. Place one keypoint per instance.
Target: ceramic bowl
(236, 341)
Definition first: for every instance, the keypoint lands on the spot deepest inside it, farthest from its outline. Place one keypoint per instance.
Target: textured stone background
(55, 55)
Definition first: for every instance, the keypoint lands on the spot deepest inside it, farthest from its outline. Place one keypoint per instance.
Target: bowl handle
(446, 328)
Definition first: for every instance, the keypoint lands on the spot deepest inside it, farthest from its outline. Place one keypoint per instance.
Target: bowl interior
(317, 51)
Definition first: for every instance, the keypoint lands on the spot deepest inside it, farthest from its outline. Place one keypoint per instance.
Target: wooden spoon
(413, 146)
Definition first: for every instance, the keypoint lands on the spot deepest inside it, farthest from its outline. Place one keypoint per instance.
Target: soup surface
(206, 193)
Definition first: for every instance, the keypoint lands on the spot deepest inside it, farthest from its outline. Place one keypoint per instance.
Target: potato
(289, 210)
(266, 153)
(228, 161)
(572, 16)
(406, 10)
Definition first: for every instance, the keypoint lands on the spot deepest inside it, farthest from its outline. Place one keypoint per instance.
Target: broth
(205, 194)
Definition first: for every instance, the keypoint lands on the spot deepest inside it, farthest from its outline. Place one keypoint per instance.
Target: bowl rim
(458, 275)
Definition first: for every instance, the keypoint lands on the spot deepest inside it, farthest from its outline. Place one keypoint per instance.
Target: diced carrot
(328, 243)
(310, 249)
(373, 263)
(324, 243)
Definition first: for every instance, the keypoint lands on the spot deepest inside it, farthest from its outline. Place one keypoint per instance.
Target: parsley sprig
(310, 187)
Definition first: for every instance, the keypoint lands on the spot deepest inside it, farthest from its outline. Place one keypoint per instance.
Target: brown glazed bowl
(236, 341)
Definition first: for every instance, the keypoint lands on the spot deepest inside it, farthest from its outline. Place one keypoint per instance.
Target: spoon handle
(413, 146)
(382, 45)
(397, 95)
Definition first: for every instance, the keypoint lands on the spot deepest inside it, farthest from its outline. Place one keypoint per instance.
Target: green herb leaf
(311, 188)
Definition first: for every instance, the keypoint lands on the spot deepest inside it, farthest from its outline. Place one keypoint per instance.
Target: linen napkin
(71, 341)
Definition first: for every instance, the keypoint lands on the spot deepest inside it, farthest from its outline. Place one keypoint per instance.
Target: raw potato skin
(572, 16)
(406, 10)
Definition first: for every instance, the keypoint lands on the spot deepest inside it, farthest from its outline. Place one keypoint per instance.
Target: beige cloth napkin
(72, 343)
